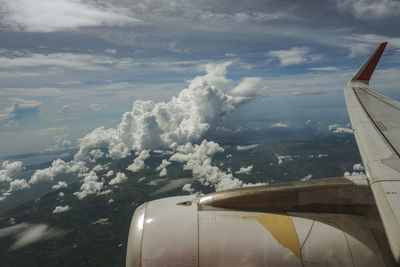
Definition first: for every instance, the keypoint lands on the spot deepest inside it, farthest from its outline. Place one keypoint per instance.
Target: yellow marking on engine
(282, 229)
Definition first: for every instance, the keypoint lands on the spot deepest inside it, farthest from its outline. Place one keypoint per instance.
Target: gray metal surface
(329, 195)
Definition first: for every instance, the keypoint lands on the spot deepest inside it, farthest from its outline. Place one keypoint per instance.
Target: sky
(70, 66)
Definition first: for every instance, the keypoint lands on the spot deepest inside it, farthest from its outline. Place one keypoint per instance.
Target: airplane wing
(322, 222)
(376, 123)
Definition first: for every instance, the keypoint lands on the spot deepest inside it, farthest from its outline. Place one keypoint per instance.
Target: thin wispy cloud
(77, 61)
(60, 15)
(294, 56)
(367, 9)
(26, 234)
(19, 108)
(329, 68)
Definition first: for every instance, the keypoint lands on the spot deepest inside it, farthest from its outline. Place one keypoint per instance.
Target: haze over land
(106, 104)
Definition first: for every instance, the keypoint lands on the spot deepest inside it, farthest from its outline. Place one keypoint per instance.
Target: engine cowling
(179, 231)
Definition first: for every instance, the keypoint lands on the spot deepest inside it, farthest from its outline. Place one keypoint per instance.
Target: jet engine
(325, 222)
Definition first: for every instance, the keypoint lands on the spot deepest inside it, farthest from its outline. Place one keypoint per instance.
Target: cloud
(188, 188)
(306, 178)
(58, 167)
(111, 51)
(198, 159)
(11, 230)
(17, 185)
(70, 61)
(370, 9)
(102, 221)
(372, 40)
(109, 173)
(337, 128)
(138, 162)
(64, 109)
(360, 49)
(245, 170)
(98, 168)
(150, 125)
(358, 167)
(96, 154)
(294, 56)
(358, 170)
(26, 234)
(59, 185)
(60, 15)
(279, 125)
(61, 209)
(20, 108)
(51, 130)
(282, 159)
(215, 74)
(10, 170)
(242, 148)
(329, 68)
(163, 167)
(91, 185)
(61, 143)
(249, 87)
(119, 178)
(34, 233)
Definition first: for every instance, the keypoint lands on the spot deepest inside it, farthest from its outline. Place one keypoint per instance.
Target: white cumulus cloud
(91, 185)
(162, 168)
(59, 185)
(188, 188)
(150, 125)
(61, 209)
(138, 162)
(109, 173)
(98, 168)
(119, 178)
(358, 167)
(306, 178)
(337, 128)
(18, 184)
(245, 170)
(58, 167)
(9, 170)
(198, 159)
(282, 159)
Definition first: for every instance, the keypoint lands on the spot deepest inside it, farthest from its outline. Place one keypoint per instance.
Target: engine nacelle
(179, 231)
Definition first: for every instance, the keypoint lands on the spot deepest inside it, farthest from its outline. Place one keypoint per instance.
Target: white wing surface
(375, 119)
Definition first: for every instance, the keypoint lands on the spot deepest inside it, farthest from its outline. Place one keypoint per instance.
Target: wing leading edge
(375, 119)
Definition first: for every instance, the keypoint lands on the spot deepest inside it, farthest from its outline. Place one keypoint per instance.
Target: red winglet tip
(366, 71)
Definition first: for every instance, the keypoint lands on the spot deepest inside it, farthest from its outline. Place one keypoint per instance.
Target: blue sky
(67, 67)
